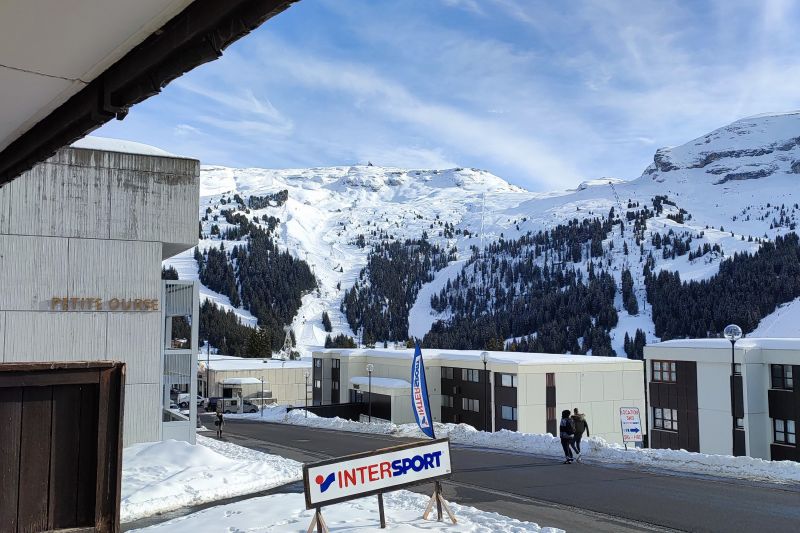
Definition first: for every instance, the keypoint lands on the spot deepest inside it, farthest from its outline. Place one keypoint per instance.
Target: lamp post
(370, 368)
(306, 374)
(733, 333)
(487, 415)
(262, 398)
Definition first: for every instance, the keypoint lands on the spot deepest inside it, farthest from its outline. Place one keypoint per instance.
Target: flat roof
(227, 362)
(744, 343)
(107, 144)
(385, 383)
(474, 356)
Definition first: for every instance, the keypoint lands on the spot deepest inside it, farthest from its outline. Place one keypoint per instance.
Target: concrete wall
(286, 384)
(597, 390)
(94, 224)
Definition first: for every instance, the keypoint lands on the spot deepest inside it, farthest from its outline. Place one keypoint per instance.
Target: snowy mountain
(731, 190)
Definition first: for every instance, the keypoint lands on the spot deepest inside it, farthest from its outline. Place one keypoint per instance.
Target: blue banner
(419, 395)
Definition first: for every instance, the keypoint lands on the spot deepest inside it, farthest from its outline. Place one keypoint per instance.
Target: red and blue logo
(326, 482)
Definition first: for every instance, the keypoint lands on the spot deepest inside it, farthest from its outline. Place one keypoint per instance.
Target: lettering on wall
(58, 303)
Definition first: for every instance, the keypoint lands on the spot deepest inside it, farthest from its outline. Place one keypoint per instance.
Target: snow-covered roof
(227, 362)
(108, 144)
(242, 381)
(385, 383)
(519, 358)
(745, 343)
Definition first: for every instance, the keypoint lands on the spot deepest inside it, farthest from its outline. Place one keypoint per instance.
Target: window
(335, 363)
(737, 369)
(318, 363)
(447, 372)
(664, 371)
(317, 384)
(740, 423)
(551, 413)
(550, 379)
(508, 413)
(468, 404)
(508, 380)
(335, 385)
(447, 401)
(665, 419)
(782, 377)
(784, 431)
(470, 374)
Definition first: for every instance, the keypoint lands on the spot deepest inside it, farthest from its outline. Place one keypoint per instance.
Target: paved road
(586, 497)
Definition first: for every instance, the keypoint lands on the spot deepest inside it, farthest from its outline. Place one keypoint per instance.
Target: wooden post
(318, 522)
(380, 510)
(438, 492)
(440, 503)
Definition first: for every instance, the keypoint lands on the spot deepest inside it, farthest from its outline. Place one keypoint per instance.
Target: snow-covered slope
(736, 185)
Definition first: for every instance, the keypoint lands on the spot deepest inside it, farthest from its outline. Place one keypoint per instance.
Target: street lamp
(306, 374)
(370, 368)
(487, 414)
(733, 333)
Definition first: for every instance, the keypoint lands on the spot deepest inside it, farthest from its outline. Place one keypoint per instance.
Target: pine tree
(326, 322)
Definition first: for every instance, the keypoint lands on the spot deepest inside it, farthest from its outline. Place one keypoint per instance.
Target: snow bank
(162, 476)
(594, 448)
(284, 513)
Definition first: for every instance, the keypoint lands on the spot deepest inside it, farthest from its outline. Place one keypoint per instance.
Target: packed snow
(594, 449)
(285, 513)
(162, 476)
(784, 322)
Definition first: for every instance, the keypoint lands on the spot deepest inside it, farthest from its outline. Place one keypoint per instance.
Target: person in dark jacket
(580, 425)
(566, 431)
(219, 422)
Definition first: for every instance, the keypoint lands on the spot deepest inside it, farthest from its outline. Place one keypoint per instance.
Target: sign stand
(318, 522)
(440, 502)
(380, 510)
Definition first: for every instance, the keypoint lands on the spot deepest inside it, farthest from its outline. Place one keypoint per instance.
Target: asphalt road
(590, 497)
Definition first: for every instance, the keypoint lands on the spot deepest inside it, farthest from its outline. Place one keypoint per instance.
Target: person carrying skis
(567, 432)
(580, 425)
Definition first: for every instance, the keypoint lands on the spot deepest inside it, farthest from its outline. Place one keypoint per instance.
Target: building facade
(284, 382)
(516, 391)
(689, 393)
(82, 237)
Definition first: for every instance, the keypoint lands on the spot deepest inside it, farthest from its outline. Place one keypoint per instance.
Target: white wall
(94, 224)
(714, 407)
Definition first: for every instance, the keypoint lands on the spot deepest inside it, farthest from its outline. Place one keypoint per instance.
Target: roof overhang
(66, 68)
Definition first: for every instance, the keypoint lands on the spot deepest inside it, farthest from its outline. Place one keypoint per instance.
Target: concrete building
(689, 396)
(284, 381)
(82, 237)
(517, 391)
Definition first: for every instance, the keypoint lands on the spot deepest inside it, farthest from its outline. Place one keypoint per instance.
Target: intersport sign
(359, 475)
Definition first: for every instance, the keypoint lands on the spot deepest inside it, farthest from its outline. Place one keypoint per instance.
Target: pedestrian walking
(219, 422)
(580, 426)
(567, 431)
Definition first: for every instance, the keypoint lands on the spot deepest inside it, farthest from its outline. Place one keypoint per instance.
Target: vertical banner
(419, 395)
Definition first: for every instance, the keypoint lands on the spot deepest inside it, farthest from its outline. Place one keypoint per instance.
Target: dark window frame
(665, 419)
(512, 377)
(513, 413)
(471, 375)
(661, 369)
(784, 436)
(781, 377)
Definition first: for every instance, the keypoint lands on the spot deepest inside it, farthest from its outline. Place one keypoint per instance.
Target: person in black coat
(567, 432)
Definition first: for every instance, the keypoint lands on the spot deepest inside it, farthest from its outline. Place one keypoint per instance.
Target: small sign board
(631, 424)
(355, 476)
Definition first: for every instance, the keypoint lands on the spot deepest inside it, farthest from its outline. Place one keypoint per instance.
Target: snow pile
(107, 144)
(162, 476)
(594, 448)
(284, 513)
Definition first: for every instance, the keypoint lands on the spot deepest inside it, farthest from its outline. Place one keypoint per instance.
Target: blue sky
(544, 94)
